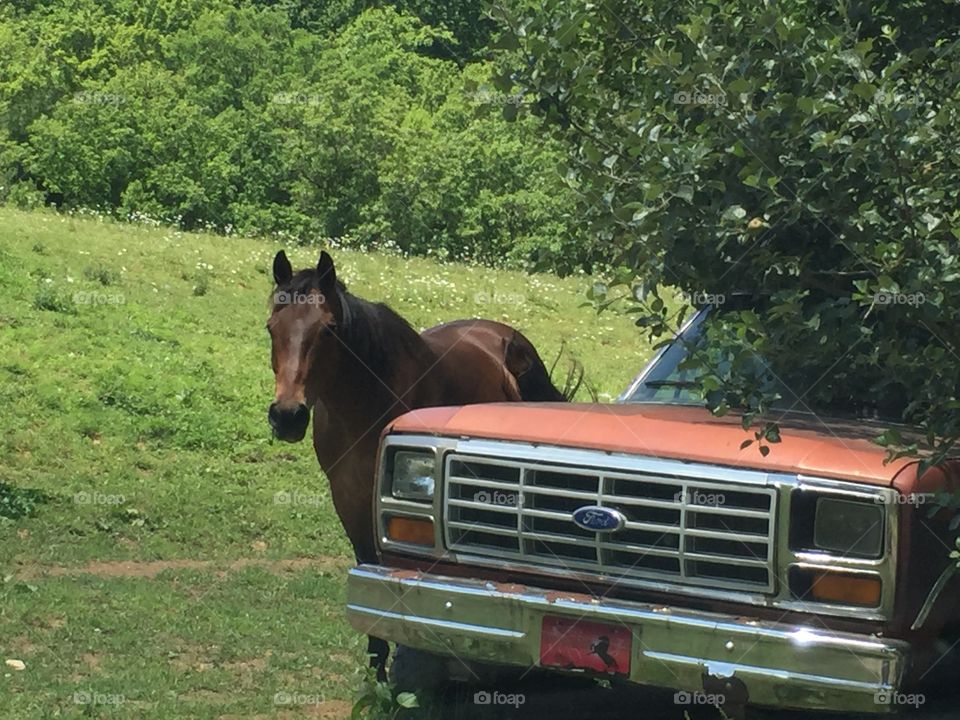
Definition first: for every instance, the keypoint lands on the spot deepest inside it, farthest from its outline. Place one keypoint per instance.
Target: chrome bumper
(773, 664)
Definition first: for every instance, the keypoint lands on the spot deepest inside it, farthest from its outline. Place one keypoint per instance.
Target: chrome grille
(683, 530)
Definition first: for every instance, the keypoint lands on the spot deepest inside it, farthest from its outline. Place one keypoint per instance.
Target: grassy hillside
(134, 382)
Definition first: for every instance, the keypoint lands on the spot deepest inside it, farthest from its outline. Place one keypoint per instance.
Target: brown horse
(358, 365)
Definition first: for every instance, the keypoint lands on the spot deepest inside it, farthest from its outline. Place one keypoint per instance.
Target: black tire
(415, 670)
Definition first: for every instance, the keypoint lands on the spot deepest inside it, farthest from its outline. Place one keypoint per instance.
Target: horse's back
(502, 350)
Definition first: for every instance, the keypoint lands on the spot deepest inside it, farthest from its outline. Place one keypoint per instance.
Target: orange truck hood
(823, 448)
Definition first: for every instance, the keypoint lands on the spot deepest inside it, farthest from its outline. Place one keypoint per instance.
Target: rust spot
(553, 597)
(509, 587)
(405, 574)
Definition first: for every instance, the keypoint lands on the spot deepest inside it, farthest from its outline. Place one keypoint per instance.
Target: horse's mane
(373, 332)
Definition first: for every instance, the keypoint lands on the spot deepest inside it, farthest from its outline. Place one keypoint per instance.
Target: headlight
(849, 527)
(413, 475)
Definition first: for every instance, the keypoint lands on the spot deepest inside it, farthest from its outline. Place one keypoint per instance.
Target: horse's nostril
(302, 414)
(273, 414)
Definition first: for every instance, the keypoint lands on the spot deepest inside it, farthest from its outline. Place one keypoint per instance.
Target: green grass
(134, 382)
(182, 645)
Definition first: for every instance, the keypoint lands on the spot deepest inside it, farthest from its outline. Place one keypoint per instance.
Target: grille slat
(737, 512)
(484, 483)
(476, 528)
(479, 505)
(651, 527)
(685, 530)
(722, 535)
(639, 549)
(553, 537)
(634, 501)
(559, 492)
(724, 560)
(549, 514)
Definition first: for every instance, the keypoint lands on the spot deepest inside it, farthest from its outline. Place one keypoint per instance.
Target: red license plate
(575, 644)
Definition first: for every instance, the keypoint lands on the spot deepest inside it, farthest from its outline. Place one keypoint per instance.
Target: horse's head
(305, 313)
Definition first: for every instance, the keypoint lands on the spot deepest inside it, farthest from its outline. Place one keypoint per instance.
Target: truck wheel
(415, 670)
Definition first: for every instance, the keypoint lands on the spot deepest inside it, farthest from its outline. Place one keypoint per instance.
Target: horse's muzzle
(289, 423)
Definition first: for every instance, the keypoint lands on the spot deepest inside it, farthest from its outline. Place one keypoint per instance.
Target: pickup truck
(639, 540)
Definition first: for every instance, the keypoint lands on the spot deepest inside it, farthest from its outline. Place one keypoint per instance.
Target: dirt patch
(152, 568)
(197, 658)
(252, 665)
(326, 710)
(201, 659)
(20, 645)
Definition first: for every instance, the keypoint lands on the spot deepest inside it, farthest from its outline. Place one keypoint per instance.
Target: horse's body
(358, 365)
(456, 363)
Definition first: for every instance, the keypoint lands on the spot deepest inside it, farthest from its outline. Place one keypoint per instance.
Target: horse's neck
(358, 404)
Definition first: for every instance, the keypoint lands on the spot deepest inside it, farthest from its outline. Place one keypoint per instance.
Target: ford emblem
(599, 519)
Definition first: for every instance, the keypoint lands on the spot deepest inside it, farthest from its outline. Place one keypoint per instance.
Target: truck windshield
(666, 381)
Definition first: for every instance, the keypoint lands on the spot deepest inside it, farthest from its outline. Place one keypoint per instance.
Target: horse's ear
(326, 272)
(282, 270)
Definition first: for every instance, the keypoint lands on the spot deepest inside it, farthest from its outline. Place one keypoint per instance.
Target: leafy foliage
(804, 153)
(16, 502)
(379, 701)
(309, 119)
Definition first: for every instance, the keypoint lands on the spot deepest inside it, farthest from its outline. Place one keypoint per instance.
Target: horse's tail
(575, 377)
(533, 378)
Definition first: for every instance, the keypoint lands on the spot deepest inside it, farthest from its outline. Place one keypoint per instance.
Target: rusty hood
(813, 446)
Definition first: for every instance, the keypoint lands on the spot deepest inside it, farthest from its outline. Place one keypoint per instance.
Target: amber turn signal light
(846, 589)
(410, 530)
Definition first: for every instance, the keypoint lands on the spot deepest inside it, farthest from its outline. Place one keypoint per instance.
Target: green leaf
(865, 90)
(407, 700)
(734, 212)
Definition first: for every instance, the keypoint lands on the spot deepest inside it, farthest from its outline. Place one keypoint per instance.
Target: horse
(356, 365)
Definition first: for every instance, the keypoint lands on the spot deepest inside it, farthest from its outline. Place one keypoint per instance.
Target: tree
(804, 152)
